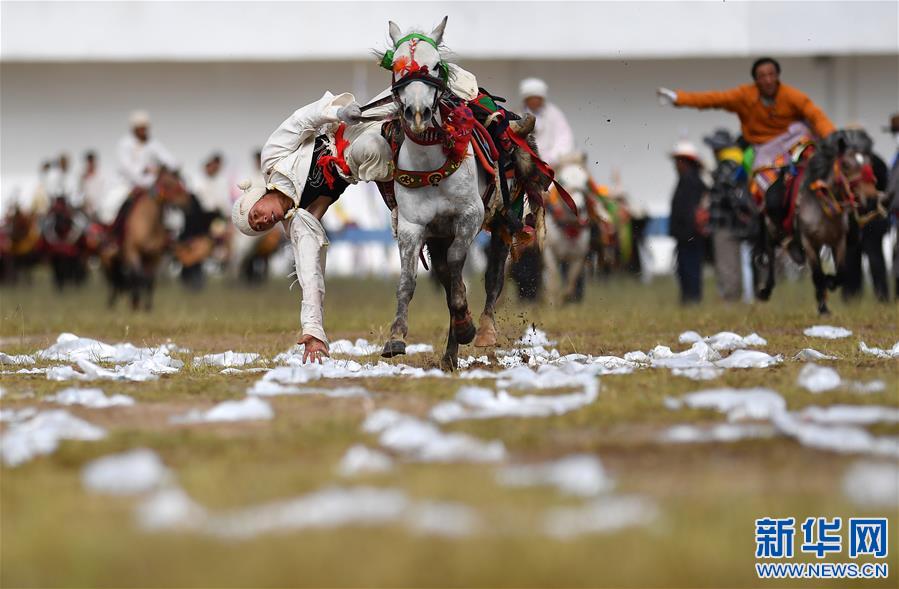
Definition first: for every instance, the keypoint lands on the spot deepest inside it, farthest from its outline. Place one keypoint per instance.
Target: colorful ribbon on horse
(544, 169)
(339, 161)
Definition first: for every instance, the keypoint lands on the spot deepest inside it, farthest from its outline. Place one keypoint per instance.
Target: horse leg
(409, 240)
(437, 248)
(575, 270)
(819, 279)
(839, 263)
(462, 324)
(763, 263)
(149, 276)
(497, 254)
(553, 277)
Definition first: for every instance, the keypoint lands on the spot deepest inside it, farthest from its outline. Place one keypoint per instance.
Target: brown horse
(20, 237)
(836, 181)
(140, 239)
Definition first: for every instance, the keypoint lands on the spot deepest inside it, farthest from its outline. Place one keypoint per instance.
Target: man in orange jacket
(766, 108)
(774, 117)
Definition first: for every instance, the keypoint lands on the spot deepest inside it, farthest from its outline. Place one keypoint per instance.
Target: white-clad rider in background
(140, 156)
(552, 132)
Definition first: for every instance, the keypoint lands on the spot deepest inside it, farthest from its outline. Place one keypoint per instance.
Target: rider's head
(370, 158)
(140, 125)
(258, 209)
(766, 73)
(533, 92)
(213, 165)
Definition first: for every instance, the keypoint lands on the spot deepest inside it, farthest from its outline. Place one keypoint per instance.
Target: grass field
(54, 533)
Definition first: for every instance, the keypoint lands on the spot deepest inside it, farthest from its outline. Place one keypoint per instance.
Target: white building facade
(221, 76)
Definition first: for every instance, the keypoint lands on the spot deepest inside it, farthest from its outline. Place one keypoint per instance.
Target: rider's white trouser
(310, 245)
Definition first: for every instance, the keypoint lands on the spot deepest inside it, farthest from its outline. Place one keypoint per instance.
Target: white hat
(370, 158)
(532, 87)
(139, 118)
(240, 212)
(685, 149)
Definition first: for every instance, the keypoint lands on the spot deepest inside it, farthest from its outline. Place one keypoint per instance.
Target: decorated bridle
(840, 192)
(454, 133)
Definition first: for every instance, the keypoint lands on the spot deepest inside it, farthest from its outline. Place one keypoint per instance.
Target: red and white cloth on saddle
(790, 150)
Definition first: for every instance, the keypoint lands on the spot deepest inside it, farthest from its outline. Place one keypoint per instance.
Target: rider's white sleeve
(302, 125)
(133, 168)
(162, 156)
(310, 247)
(463, 83)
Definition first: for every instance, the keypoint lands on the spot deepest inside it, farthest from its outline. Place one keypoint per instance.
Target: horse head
(170, 188)
(419, 74)
(852, 172)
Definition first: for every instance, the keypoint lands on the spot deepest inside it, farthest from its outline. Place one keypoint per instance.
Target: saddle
(788, 171)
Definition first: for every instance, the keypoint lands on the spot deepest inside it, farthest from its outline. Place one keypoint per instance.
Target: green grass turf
(53, 533)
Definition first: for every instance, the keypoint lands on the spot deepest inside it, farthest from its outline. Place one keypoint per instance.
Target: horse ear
(395, 33)
(437, 33)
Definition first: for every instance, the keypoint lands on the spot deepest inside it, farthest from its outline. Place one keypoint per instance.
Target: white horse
(567, 233)
(446, 212)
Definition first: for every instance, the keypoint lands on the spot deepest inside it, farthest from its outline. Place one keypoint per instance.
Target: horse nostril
(426, 114)
(408, 113)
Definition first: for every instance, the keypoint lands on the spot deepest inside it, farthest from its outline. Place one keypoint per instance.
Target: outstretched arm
(726, 99)
(131, 168)
(301, 125)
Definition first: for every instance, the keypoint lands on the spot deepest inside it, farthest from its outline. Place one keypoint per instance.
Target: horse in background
(568, 233)
(138, 239)
(64, 242)
(833, 179)
(20, 237)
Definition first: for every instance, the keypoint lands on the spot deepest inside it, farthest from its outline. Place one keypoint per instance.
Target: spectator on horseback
(307, 163)
(552, 131)
(774, 118)
(728, 214)
(686, 223)
(140, 157)
(766, 108)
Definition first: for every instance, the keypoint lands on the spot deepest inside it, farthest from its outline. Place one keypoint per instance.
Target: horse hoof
(763, 294)
(486, 336)
(823, 311)
(449, 364)
(394, 348)
(465, 331)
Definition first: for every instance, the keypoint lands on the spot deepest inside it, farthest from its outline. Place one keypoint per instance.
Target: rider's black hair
(763, 61)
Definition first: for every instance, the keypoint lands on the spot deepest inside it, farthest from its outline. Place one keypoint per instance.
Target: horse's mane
(829, 148)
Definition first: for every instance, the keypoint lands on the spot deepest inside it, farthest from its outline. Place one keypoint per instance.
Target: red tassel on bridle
(338, 160)
(457, 126)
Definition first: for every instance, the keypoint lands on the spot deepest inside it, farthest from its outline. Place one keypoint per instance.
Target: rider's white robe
(553, 134)
(139, 163)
